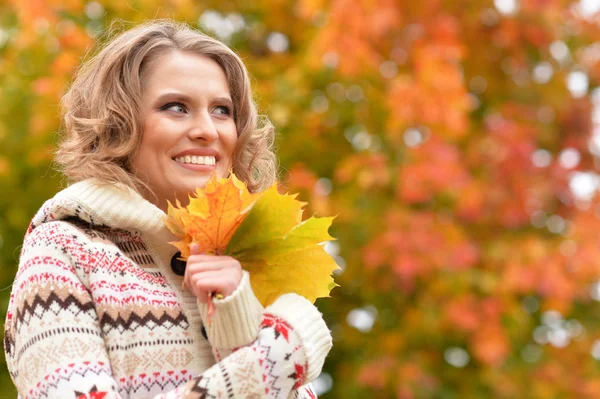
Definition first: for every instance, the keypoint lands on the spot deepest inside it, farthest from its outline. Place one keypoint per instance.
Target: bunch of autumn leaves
(263, 231)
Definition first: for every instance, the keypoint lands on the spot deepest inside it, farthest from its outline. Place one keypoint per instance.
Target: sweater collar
(115, 206)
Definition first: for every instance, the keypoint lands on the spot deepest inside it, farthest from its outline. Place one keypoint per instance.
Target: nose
(203, 128)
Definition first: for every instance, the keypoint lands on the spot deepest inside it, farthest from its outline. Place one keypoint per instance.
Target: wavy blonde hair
(102, 130)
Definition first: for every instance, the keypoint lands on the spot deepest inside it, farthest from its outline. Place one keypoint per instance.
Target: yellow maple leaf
(282, 253)
(264, 232)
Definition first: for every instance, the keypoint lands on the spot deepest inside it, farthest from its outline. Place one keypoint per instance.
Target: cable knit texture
(96, 311)
(241, 305)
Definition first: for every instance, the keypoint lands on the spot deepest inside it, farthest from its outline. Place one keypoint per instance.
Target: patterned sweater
(97, 312)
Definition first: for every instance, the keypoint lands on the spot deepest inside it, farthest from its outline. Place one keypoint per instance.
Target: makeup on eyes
(172, 104)
(226, 105)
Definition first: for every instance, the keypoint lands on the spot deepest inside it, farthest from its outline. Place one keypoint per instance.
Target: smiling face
(188, 126)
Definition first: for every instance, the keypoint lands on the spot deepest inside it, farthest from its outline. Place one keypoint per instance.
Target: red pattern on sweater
(280, 325)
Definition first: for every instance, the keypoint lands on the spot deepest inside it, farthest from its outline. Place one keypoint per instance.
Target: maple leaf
(212, 216)
(282, 253)
(264, 232)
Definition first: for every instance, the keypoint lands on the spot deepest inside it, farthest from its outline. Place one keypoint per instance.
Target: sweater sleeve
(55, 346)
(292, 343)
(242, 310)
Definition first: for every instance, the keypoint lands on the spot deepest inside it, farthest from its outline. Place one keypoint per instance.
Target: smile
(196, 160)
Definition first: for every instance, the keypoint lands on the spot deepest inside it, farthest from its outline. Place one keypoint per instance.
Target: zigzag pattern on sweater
(54, 304)
(149, 321)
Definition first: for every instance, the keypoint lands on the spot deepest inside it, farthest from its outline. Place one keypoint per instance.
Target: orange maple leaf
(212, 216)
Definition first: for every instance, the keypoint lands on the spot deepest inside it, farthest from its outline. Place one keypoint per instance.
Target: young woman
(97, 308)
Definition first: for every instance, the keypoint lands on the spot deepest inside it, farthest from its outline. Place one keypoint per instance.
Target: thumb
(195, 248)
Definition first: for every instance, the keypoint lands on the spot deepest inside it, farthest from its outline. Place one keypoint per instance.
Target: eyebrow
(186, 98)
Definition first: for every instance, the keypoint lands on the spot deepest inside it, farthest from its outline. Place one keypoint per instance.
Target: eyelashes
(173, 104)
(225, 110)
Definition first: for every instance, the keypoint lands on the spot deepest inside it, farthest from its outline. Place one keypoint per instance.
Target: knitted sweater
(96, 312)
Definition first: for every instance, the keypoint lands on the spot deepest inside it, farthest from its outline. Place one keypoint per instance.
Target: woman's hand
(208, 274)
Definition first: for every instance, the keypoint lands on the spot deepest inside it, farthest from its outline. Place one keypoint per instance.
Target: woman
(97, 309)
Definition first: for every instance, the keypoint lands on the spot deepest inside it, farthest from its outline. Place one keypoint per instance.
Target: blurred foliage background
(458, 141)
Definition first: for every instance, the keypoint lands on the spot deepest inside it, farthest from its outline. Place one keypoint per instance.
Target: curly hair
(102, 130)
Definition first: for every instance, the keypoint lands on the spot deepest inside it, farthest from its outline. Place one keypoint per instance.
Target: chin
(191, 187)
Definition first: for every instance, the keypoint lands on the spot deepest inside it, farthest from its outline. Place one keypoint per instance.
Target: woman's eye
(222, 110)
(177, 107)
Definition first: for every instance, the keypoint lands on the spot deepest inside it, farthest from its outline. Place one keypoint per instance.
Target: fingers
(206, 283)
(209, 274)
(202, 263)
(195, 249)
(197, 256)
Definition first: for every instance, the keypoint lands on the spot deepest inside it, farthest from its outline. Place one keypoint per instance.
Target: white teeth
(196, 160)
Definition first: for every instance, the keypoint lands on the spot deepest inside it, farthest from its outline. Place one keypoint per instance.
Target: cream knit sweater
(97, 312)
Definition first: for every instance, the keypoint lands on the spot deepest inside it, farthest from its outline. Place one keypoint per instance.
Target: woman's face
(188, 126)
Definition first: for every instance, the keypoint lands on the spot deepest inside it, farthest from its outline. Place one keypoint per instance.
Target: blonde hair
(102, 129)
